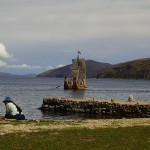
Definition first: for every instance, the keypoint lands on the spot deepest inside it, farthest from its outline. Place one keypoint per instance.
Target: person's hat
(7, 99)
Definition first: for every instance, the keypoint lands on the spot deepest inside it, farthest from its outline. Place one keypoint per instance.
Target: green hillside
(136, 69)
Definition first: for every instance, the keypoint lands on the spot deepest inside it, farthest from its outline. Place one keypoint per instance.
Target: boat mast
(78, 55)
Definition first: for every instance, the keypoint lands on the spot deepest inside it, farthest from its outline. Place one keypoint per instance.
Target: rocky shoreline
(110, 108)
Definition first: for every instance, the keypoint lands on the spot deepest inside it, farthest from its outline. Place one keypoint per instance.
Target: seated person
(12, 110)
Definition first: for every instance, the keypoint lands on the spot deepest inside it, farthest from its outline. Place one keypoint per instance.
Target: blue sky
(38, 35)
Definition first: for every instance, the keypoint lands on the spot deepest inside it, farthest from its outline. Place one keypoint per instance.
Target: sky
(39, 35)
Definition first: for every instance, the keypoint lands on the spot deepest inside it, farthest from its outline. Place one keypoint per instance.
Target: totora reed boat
(78, 75)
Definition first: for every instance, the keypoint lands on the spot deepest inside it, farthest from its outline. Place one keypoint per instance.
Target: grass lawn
(128, 138)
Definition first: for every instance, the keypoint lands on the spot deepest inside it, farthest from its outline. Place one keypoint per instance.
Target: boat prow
(74, 84)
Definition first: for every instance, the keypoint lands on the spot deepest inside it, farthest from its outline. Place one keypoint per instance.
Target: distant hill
(2, 74)
(136, 69)
(29, 75)
(92, 69)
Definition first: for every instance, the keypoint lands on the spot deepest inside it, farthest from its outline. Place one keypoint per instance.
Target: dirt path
(7, 126)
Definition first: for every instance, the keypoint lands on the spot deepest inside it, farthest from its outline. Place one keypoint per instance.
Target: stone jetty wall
(111, 108)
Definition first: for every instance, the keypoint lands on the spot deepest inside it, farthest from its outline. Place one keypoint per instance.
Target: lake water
(28, 93)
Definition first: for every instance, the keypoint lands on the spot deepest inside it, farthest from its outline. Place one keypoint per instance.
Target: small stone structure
(106, 108)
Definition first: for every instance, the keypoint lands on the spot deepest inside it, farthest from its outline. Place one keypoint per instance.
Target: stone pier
(113, 108)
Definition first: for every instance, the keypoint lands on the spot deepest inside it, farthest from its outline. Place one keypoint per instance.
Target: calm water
(28, 93)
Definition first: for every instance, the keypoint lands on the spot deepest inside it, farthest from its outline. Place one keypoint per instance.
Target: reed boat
(77, 81)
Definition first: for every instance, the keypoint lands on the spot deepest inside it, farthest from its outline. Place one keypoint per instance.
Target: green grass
(129, 138)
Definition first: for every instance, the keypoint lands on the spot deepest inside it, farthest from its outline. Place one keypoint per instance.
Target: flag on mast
(79, 52)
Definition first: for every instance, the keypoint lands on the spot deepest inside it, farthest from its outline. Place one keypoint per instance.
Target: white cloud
(51, 67)
(61, 65)
(23, 66)
(3, 52)
(3, 64)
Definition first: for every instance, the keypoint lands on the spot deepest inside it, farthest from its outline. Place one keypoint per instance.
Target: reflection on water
(75, 93)
(28, 93)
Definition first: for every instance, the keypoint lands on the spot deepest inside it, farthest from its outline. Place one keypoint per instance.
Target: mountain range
(3, 74)
(135, 69)
(92, 69)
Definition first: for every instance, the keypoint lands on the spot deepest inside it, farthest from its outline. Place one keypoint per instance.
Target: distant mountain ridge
(135, 69)
(3, 74)
(92, 69)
